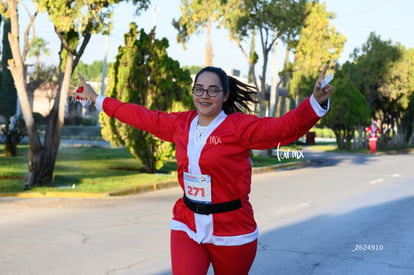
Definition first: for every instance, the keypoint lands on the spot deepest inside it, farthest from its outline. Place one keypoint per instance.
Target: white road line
(376, 181)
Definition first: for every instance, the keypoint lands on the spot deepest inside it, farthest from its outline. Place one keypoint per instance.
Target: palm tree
(37, 48)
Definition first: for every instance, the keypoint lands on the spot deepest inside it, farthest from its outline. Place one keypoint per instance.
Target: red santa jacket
(373, 131)
(225, 156)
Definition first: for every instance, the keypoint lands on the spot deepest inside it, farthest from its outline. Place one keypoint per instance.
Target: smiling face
(208, 107)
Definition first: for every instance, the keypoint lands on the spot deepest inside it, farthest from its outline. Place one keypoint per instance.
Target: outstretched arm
(263, 133)
(161, 124)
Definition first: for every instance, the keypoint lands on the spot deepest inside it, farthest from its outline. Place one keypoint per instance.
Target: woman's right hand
(88, 92)
(322, 95)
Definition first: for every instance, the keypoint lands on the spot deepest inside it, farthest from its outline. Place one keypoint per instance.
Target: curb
(34, 195)
(141, 188)
(144, 188)
(291, 165)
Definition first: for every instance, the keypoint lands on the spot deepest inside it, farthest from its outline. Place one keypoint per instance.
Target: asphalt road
(344, 214)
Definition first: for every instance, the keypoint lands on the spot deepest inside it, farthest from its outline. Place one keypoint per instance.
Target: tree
(385, 76)
(8, 95)
(197, 15)
(37, 48)
(319, 43)
(144, 74)
(193, 69)
(74, 23)
(8, 98)
(408, 120)
(271, 20)
(349, 111)
(14, 128)
(374, 60)
(91, 72)
(398, 90)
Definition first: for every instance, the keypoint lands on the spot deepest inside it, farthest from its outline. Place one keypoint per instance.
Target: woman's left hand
(322, 95)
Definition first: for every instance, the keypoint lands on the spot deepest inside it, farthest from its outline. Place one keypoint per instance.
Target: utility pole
(105, 61)
(104, 65)
(155, 9)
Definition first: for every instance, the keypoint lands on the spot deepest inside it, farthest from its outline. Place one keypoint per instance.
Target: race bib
(197, 187)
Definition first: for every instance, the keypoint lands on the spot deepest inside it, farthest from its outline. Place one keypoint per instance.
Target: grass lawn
(332, 147)
(93, 170)
(88, 169)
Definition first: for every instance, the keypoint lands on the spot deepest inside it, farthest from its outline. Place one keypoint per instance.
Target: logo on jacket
(214, 140)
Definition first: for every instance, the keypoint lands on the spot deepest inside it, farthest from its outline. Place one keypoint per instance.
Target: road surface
(343, 214)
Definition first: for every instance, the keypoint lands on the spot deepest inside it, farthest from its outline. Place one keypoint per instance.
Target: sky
(356, 19)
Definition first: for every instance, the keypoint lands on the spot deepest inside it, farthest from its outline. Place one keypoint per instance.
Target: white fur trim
(317, 107)
(99, 102)
(217, 240)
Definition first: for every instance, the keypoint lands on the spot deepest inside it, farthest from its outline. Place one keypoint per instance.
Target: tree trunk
(275, 81)
(13, 137)
(10, 144)
(252, 60)
(35, 160)
(262, 93)
(55, 125)
(74, 116)
(209, 53)
(16, 67)
(42, 158)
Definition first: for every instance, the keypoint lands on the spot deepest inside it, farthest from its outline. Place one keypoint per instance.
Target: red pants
(190, 258)
(373, 146)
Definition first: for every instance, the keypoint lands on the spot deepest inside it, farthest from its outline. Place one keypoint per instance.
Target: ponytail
(241, 97)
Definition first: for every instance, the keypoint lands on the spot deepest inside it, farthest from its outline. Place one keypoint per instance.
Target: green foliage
(270, 20)
(348, 111)
(74, 23)
(400, 77)
(12, 137)
(37, 48)
(323, 132)
(8, 93)
(319, 44)
(373, 63)
(49, 73)
(195, 16)
(88, 169)
(85, 15)
(194, 69)
(384, 72)
(91, 72)
(408, 118)
(144, 74)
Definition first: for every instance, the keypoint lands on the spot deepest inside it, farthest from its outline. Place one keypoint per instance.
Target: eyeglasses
(211, 91)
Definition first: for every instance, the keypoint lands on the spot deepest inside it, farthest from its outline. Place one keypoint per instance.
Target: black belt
(206, 209)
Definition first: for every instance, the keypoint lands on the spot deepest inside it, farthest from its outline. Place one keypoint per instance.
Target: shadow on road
(324, 159)
(377, 239)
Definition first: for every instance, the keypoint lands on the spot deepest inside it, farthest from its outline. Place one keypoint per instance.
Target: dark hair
(241, 95)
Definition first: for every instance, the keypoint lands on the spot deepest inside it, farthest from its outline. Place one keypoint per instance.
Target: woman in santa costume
(373, 132)
(213, 222)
